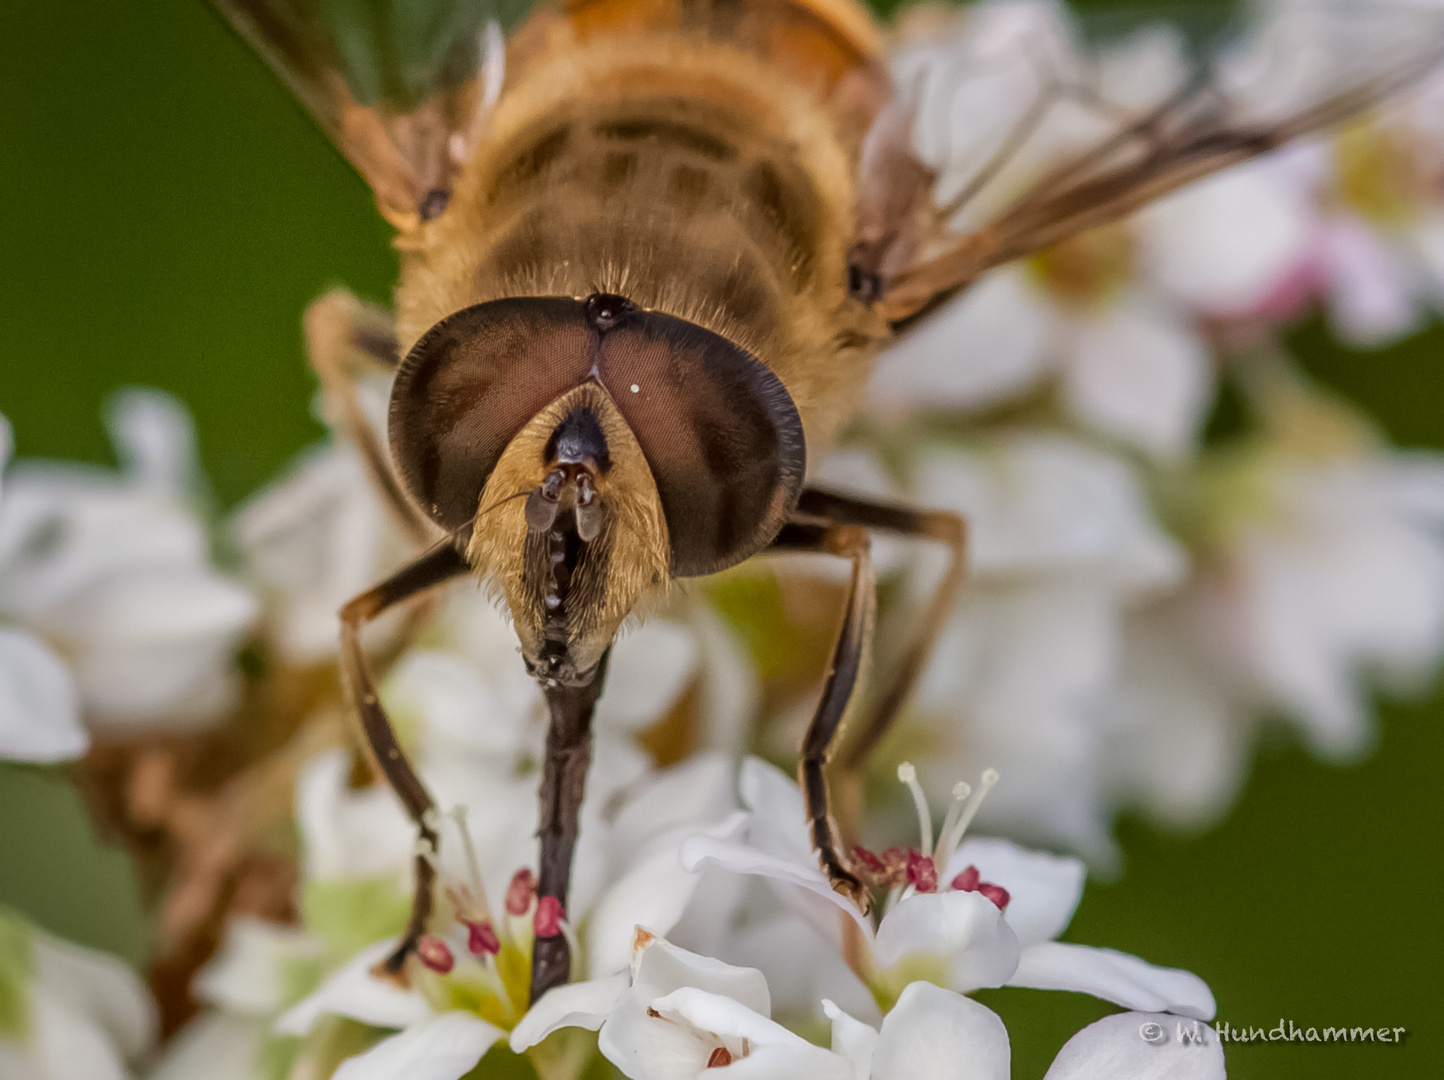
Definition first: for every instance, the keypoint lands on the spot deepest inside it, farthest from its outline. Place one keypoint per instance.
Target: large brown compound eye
(719, 431)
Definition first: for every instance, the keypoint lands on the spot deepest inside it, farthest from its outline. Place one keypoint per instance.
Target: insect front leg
(848, 656)
(346, 337)
(564, 777)
(442, 563)
(938, 525)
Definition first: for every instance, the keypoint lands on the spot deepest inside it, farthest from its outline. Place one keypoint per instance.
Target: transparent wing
(1029, 134)
(401, 86)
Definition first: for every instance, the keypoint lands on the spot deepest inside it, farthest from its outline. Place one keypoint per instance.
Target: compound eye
(470, 384)
(719, 430)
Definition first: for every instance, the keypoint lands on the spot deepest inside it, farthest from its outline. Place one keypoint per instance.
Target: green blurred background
(167, 214)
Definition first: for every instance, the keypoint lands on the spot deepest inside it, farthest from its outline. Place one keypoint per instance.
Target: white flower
(67, 1013)
(678, 1015)
(1111, 313)
(311, 541)
(947, 918)
(681, 1014)
(1140, 1046)
(1177, 721)
(1337, 576)
(113, 573)
(1062, 544)
(1376, 232)
(253, 977)
(472, 985)
(39, 706)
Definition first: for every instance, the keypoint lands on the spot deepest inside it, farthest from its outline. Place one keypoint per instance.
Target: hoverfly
(649, 250)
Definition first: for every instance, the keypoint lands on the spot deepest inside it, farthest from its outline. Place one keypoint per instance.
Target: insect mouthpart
(564, 517)
(578, 453)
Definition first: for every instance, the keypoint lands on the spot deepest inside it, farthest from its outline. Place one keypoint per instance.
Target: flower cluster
(112, 614)
(1146, 586)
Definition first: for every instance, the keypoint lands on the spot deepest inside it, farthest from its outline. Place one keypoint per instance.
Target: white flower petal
(444, 1048)
(215, 1045)
(662, 967)
(649, 668)
(460, 712)
(353, 991)
(722, 1015)
(98, 987)
(155, 648)
(853, 1039)
(64, 1046)
(154, 439)
(64, 528)
(349, 833)
(985, 346)
(1113, 976)
(39, 706)
(1371, 301)
(777, 811)
(653, 892)
(738, 858)
(1043, 889)
(802, 962)
(584, 1005)
(647, 1048)
(1139, 1046)
(965, 930)
(772, 1051)
(1038, 502)
(312, 540)
(1225, 243)
(696, 791)
(1140, 375)
(248, 973)
(935, 1033)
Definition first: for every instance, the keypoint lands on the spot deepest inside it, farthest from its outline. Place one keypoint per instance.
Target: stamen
(971, 880)
(719, 1057)
(996, 893)
(520, 892)
(547, 922)
(965, 818)
(867, 860)
(909, 776)
(967, 881)
(922, 872)
(435, 954)
(961, 791)
(481, 939)
(478, 891)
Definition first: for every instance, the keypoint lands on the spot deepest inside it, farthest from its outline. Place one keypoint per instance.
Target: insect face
(593, 451)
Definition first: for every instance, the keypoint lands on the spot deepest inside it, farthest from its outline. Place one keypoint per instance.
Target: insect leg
(440, 564)
(564, 777)
(345, 336)
(939, 525)
(850, 542)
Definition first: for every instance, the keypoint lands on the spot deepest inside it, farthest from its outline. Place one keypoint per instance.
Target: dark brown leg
(344, 335)
(441, 563)
(937, 525)
(569, 752)
(850, 542)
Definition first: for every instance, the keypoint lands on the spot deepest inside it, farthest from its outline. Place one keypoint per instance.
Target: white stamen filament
(478, 891)
(961, 791)
(909, 776)
(960, 826)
